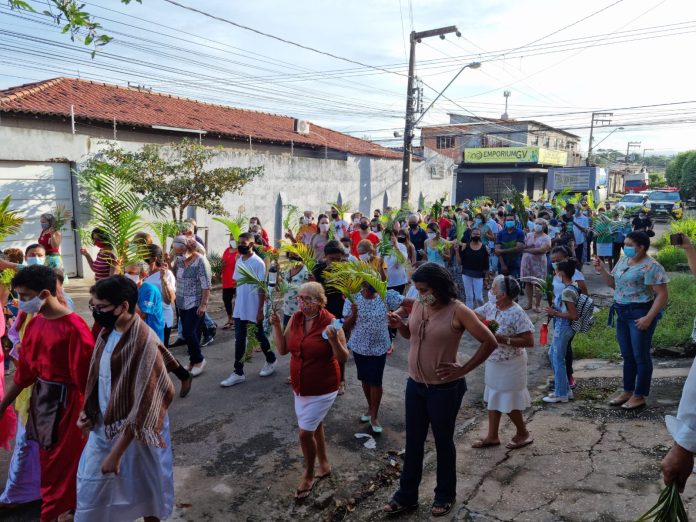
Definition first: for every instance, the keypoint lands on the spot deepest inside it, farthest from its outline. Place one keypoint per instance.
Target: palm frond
(460, 227)
(292, 218)
(10, 220)
(604, 227)
(249, 278)
(437, 207)
(343, 208)
(232, 225)
(519, 205)
(61, 216)
(303, 251)
(477, 203)
(6, 277)
(349, 277)
(164, 230)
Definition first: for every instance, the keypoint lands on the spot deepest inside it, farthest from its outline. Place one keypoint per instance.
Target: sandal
(443, 508)
(618, 402)
(632, 408)
(517, 445)
(479, 444)
(303, 494)
(393, 508)
(227, 326)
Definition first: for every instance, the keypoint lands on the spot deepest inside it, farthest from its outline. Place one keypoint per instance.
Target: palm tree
(10, 220)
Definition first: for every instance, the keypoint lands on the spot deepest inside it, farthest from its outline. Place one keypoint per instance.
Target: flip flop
(227, 326)
(479, 444)
(396, 509)
(631, 408)
(303, 494)
(376, 429)
(517, 445)
(446, 507)
(365, 418)
(321, 477)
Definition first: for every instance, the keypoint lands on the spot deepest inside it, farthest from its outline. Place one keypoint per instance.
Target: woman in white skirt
(316, 348)
(506, 368)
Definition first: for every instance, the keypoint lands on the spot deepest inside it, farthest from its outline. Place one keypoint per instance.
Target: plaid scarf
(141, 389)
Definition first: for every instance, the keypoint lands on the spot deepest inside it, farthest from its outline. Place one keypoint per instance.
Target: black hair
(570, 207)
(258, 221)
(322, 216)
(116, 289)
(562, 249)
(100, 235)
(640, 239)
(567, 267)
(433, 226)
(32, 246)
(437, 278)
(155, 252)
(36, 278)
(246, 235)
(333, 247)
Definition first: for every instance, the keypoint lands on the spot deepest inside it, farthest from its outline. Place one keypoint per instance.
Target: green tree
(674, 169)
(688, 176)
(175, 176)
(657, 180)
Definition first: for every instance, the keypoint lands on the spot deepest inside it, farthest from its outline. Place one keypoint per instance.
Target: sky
(559, 59)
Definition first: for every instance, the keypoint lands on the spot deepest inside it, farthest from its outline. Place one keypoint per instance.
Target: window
(445, 142)
(535, 140)
(547, 142)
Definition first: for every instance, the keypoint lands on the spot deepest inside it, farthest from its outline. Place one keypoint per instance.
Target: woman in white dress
(506, 368)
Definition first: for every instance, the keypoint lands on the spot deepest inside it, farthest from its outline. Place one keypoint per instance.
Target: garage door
(37, 188)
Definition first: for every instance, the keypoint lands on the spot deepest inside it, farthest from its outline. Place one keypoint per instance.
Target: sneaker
(267, 369)
(552, 398)
(179, 342)
(197, 369)
(232, 380)
(207, 340)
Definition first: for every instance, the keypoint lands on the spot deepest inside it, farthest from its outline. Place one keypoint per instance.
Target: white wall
(308, 183)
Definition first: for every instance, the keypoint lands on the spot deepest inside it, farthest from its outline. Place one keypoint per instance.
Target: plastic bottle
(337, 324)
(273, 275)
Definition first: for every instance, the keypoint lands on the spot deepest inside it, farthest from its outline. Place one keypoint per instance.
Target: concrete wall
(304, 178)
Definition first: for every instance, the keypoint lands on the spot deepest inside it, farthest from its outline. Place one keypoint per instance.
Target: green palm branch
(604, 228)
(519, 204)
(232, 225)
(292, 218)
(115, 208)
(343, 208)
(304, 252)
(437, 207)
(385, 248)
(61, 216)
(331, 233)
(668, 508)
(249, 278)
(442, 246)
(164, 230)
(349, 277)
(479, 202)
(6, 277)
(544, 285)
(10, 220)
(460, 227)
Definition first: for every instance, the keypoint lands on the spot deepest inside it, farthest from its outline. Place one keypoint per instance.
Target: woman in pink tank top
(436, 383)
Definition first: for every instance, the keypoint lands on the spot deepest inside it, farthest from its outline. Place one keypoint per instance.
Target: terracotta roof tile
(141, 108)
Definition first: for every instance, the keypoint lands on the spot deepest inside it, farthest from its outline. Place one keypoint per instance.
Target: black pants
(190, 327)
(167, 333)
(240, 337)
(434, 406)
(227, 295)
(579, 251)
(569, 360)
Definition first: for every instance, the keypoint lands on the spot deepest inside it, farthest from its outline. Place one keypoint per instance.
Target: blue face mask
(34, 261)
(44, 226)
(477, 221)
(630, 251)
(510, 224)
(555, 266)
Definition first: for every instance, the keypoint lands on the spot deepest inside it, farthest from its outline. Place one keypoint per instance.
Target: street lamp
(605, 137)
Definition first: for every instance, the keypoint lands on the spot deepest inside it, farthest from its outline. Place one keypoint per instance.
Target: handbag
(45, 411)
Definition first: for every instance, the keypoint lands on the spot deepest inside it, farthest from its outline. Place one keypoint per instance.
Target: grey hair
(513, 285)
(186, 226)
(50, 218)
(140, 264)
(413, 216)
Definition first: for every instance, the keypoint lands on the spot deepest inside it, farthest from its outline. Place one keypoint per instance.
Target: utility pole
(416, 37)
(602, 119)
(631, 145)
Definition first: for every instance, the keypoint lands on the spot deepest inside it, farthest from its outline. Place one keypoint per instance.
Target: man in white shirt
(248, 308)
(340, 225)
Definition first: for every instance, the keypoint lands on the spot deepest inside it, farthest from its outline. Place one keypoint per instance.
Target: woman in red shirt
(315, 375)
(229, 290)
(362, 233)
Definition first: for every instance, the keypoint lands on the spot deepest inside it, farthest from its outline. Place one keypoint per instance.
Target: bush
(669, 257)
(215, 261)
(674, 329)
(687, 226)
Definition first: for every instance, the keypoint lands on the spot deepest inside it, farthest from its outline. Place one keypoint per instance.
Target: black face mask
(105, 319)
(401, 239)
(413, 226)
(364, 226)
(243, 249)
(475, 239)
(335, 216)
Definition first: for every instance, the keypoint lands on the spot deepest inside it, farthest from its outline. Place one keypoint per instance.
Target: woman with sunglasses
(315, 348)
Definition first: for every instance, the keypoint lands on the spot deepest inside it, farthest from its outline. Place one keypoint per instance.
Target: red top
(356, 238)
(444, 224)
(313, 367)
(43, 241)
(229, 260)
(101, 266)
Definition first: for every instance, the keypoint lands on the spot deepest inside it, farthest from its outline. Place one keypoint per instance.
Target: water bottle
(337, 324)
(273, 275)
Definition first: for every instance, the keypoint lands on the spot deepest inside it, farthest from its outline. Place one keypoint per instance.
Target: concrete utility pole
(602, 119)
(410, 110)
(631, 145)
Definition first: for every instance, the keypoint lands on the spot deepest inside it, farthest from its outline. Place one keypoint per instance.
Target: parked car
(632, 203)
(665, 203)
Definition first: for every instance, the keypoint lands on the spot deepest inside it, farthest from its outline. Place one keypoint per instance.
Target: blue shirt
(508, 238)
(150, 303)
(418, 239)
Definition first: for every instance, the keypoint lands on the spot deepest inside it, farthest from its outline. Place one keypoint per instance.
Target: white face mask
(35, 261)
(431, 235)
(492, 297)
(233, 244)
(365, 257)
(133, 277)
(306, 221)
(324, 227)
(32, 306)
(538, 228)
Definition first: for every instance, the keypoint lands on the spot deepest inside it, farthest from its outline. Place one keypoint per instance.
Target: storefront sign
(515, 155)
(573, 181)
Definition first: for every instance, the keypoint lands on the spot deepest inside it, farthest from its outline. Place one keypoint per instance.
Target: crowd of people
(446, 271)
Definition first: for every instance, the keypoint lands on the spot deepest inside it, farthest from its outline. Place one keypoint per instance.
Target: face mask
(538, 228)
(630, 251)
(44, 226)
(375, 229)
(32, 306)
(555, 230)
(586, 213)
(365, 257)
(413, 226)
(356, 221)
(233, 244)
(401, 240)
(510, 224)
(492, 297)
(478, 221)
(431, 235)
(133, 277)
(105, 319)
(100, 244)
(475, 239)
(305, 221)
(334, 215)
(555, 266)
(364, 226)
(324, 227)
(641, 216)
(34, 261)
(244, 249)
(427, 299)
(308, 309)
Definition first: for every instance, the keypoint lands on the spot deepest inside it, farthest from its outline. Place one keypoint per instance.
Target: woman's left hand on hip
(643, 323)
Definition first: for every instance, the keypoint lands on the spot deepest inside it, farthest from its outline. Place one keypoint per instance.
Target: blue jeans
(562, 336)
(635, 347)
(240, 337)
(190, 323)
(434, 405)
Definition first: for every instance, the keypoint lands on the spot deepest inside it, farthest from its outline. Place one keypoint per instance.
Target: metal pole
(589, 149)
(408, 127)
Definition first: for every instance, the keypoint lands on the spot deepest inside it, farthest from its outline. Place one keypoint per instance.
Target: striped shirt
(101, 266)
